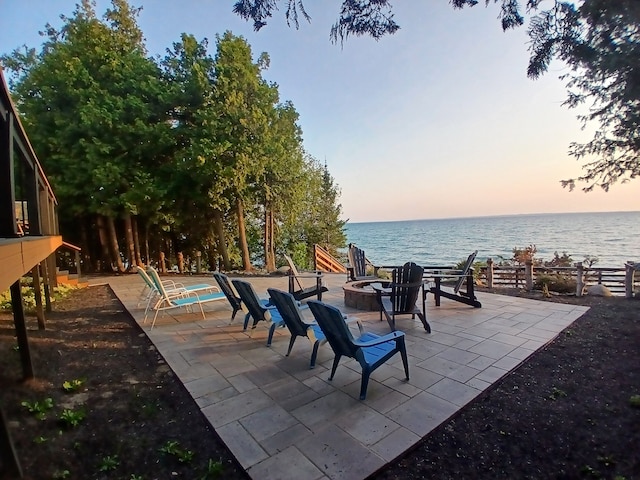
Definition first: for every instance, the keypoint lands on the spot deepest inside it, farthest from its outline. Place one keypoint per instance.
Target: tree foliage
(599, 40)
(192, 150)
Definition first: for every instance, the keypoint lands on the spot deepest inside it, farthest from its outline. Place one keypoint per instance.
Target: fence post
(528, 274)
(489, 273)
(579, 279)
(198, 262)
(180, 262)
(629, 269)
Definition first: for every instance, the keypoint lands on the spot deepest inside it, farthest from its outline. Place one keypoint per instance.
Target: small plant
(606, 460)
(214, 470)
(72, 418)
(109, 463)
(172, 447)
(634, 401)
(136, 477)
(556, 393)
(70, 386)
(39, 409)
(587, 470)
(60, 474)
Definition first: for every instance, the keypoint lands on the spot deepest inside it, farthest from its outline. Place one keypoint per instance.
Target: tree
(92, 102)
(598, 39)
(244, 102)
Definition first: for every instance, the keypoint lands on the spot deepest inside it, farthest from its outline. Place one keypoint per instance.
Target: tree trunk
(269, 239)
(131, 249)
(105, 258)
(115, 248)
(213, 253)
(86, 246)
(136, 241)
(222, 245)
(242, 237)
(146, 244)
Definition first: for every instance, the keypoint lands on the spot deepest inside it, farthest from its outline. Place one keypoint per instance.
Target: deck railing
(620, 281)
(324, 261)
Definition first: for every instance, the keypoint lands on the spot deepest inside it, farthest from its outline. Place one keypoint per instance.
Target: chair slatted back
(225, 286)
(157, 282)
(294, 270)
(250, 299)
(465, 272)
(358, 261)
(334, 328)
(145, 276)
(407, 281)
(289, 311)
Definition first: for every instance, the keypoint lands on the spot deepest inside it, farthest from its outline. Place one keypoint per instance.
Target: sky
(436, 121)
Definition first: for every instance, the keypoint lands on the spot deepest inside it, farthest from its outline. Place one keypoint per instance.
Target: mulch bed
(567, 412)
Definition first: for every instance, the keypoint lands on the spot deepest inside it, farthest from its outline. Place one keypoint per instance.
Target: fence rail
(619, 281)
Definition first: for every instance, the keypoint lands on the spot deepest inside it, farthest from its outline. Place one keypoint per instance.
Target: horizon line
(489, 216)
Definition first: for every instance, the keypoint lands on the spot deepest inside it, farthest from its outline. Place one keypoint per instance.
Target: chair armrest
(309, 275)
(379, 288)
(386, 338)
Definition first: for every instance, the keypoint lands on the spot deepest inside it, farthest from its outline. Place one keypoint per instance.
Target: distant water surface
(611, 236)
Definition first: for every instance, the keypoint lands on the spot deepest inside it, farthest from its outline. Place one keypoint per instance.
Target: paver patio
(283, 421)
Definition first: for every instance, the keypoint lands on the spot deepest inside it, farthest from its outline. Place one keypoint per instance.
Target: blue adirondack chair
(257, 309)
(369, 350)
(289, 310)
(225, 286)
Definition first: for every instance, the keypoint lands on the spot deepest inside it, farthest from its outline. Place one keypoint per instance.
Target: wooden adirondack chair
(296, 287)
(399, 297)
(369, 350)
(462, 277)
(357, 269)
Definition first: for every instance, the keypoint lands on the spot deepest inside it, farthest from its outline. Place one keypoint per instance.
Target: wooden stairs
(63, 276)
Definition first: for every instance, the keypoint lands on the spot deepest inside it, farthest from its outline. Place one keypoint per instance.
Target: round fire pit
(361, 295)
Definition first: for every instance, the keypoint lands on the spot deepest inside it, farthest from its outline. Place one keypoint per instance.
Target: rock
(599, 291)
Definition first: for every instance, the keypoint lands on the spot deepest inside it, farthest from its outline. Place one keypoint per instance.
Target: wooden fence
(620, 281)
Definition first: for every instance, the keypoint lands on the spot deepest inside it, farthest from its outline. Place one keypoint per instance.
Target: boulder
(598, 291)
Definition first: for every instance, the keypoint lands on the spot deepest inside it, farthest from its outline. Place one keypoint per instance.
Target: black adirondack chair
(298, 289)
(462, 277)
(369, 350)
(399, 296)
(357, 269)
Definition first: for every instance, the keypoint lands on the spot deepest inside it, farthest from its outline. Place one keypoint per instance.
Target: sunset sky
(438, 120)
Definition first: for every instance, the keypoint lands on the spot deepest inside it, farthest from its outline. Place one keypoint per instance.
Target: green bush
(28, 295)
(555, 282)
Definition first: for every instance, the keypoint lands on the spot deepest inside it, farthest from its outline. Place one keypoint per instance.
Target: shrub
(555, 282)
(28, 295)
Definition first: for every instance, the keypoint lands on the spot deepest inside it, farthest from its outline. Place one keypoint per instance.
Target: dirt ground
(117, 411)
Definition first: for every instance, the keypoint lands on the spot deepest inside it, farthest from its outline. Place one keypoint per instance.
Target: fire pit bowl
(361, 295)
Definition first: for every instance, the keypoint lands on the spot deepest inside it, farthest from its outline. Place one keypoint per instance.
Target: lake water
(612, 237)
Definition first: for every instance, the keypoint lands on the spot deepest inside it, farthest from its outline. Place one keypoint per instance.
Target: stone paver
(283, 420)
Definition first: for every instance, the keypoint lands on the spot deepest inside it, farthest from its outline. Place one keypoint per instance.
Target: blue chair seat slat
(318, 332)
(182, 301)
